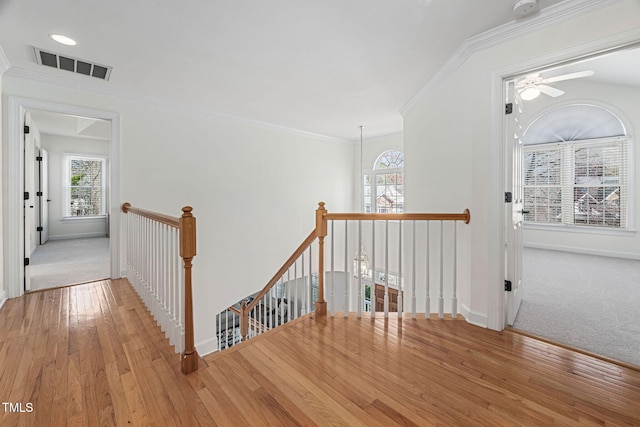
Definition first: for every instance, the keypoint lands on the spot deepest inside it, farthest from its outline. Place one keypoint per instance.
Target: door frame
(496, 313)
(13, 233)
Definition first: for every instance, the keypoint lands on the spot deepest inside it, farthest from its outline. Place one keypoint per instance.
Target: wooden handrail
(322, 216)
(304, 245)
(246, 308)
(465, 216)
(186, 225)
(320, 232)
(164, 219)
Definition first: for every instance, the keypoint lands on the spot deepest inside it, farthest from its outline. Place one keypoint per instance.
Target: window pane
(85, 201)
(597, 206)
(390, 195)
(367, 193)
(544, 204)
(85, 187)
(596, 180)
(390, 160)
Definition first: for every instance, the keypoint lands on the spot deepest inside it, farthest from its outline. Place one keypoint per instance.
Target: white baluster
(427, 306)
(333, 275)
(296, 304)
(310, 287)
(386, 269)
(454, 299)
(359, 270)
(304, 287)
(413, 272)
(372, 283)
(289, 304)
(441, 294)
(346, 269)
(399, 279)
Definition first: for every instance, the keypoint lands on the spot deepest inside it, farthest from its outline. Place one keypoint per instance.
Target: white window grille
(576, 168)
(383, 187)
(577, 183)
(84, 186)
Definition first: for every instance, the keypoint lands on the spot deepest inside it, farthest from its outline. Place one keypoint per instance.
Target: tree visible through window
(85, 186)
(384, 186)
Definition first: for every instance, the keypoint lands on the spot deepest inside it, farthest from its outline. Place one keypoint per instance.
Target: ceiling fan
(530, 86)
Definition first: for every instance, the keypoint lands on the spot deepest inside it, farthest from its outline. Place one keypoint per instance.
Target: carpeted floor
(585, 301)
(67, 262)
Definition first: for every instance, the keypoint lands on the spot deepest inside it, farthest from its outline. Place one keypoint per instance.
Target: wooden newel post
(189, 359)
(321, 232)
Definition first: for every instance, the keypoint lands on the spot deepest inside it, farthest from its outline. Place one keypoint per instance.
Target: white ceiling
(73, 126)
(323, 67)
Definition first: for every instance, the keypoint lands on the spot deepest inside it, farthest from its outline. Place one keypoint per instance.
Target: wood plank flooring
(92, 355)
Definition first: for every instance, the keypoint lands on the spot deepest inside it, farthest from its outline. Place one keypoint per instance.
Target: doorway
(15, 245)
(66, 220)
(585, 211)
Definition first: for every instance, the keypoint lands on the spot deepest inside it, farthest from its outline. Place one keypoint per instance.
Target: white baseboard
(3, 297)
(78, 236)
(474, 317)
(207, 347)
(585, 251)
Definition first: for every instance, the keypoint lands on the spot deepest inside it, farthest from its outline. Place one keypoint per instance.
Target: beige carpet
(585, 301)
(68, 262)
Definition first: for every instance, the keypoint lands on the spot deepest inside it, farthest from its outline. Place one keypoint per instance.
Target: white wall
(57, 147)
(453, 152)
(622, 101)
(254, 190)
(3, 288)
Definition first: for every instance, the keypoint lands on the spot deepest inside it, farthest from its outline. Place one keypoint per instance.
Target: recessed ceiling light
(63, 39)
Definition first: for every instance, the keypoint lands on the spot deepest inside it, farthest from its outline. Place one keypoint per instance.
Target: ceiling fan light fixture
(530, 93)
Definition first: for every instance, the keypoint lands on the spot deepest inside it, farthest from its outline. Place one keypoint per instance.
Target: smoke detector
(524, 7)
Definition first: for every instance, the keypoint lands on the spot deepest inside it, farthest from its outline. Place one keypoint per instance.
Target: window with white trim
(84, 186)
(383, 187)
(577, 182)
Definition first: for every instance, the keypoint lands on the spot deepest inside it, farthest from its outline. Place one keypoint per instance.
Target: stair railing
(298, 287)
(160, 251)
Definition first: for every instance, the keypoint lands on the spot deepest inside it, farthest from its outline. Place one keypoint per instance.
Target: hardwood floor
(92, 355)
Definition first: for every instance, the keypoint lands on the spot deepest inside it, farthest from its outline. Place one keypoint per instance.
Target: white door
(44, 196)
(514, 208)
(29, 199)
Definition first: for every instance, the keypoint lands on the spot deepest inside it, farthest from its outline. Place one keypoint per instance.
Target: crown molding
(544, 18)
(4, 62)
(102, 88)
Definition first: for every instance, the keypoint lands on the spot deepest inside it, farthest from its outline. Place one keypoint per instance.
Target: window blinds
(582, 183)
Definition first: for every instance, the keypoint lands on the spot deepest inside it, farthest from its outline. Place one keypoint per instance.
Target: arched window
(576, 168)
(384, 185)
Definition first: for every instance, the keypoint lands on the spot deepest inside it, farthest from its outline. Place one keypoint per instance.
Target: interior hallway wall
(453, 156)
(254, 189)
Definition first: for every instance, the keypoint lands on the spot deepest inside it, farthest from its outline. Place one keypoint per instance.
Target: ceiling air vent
(64, 62)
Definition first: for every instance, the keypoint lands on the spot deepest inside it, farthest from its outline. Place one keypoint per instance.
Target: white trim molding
(14, 238)
(582, 250)
(207, 346)
(3, 297)
(496, 317)
(547, 16)
(102, 88)
(4, 62)
(474, 317)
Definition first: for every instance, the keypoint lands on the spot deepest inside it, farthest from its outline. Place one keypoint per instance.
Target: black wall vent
(64, 62)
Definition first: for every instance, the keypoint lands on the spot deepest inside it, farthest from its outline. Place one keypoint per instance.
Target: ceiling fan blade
(551, 91)
(569, 76)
